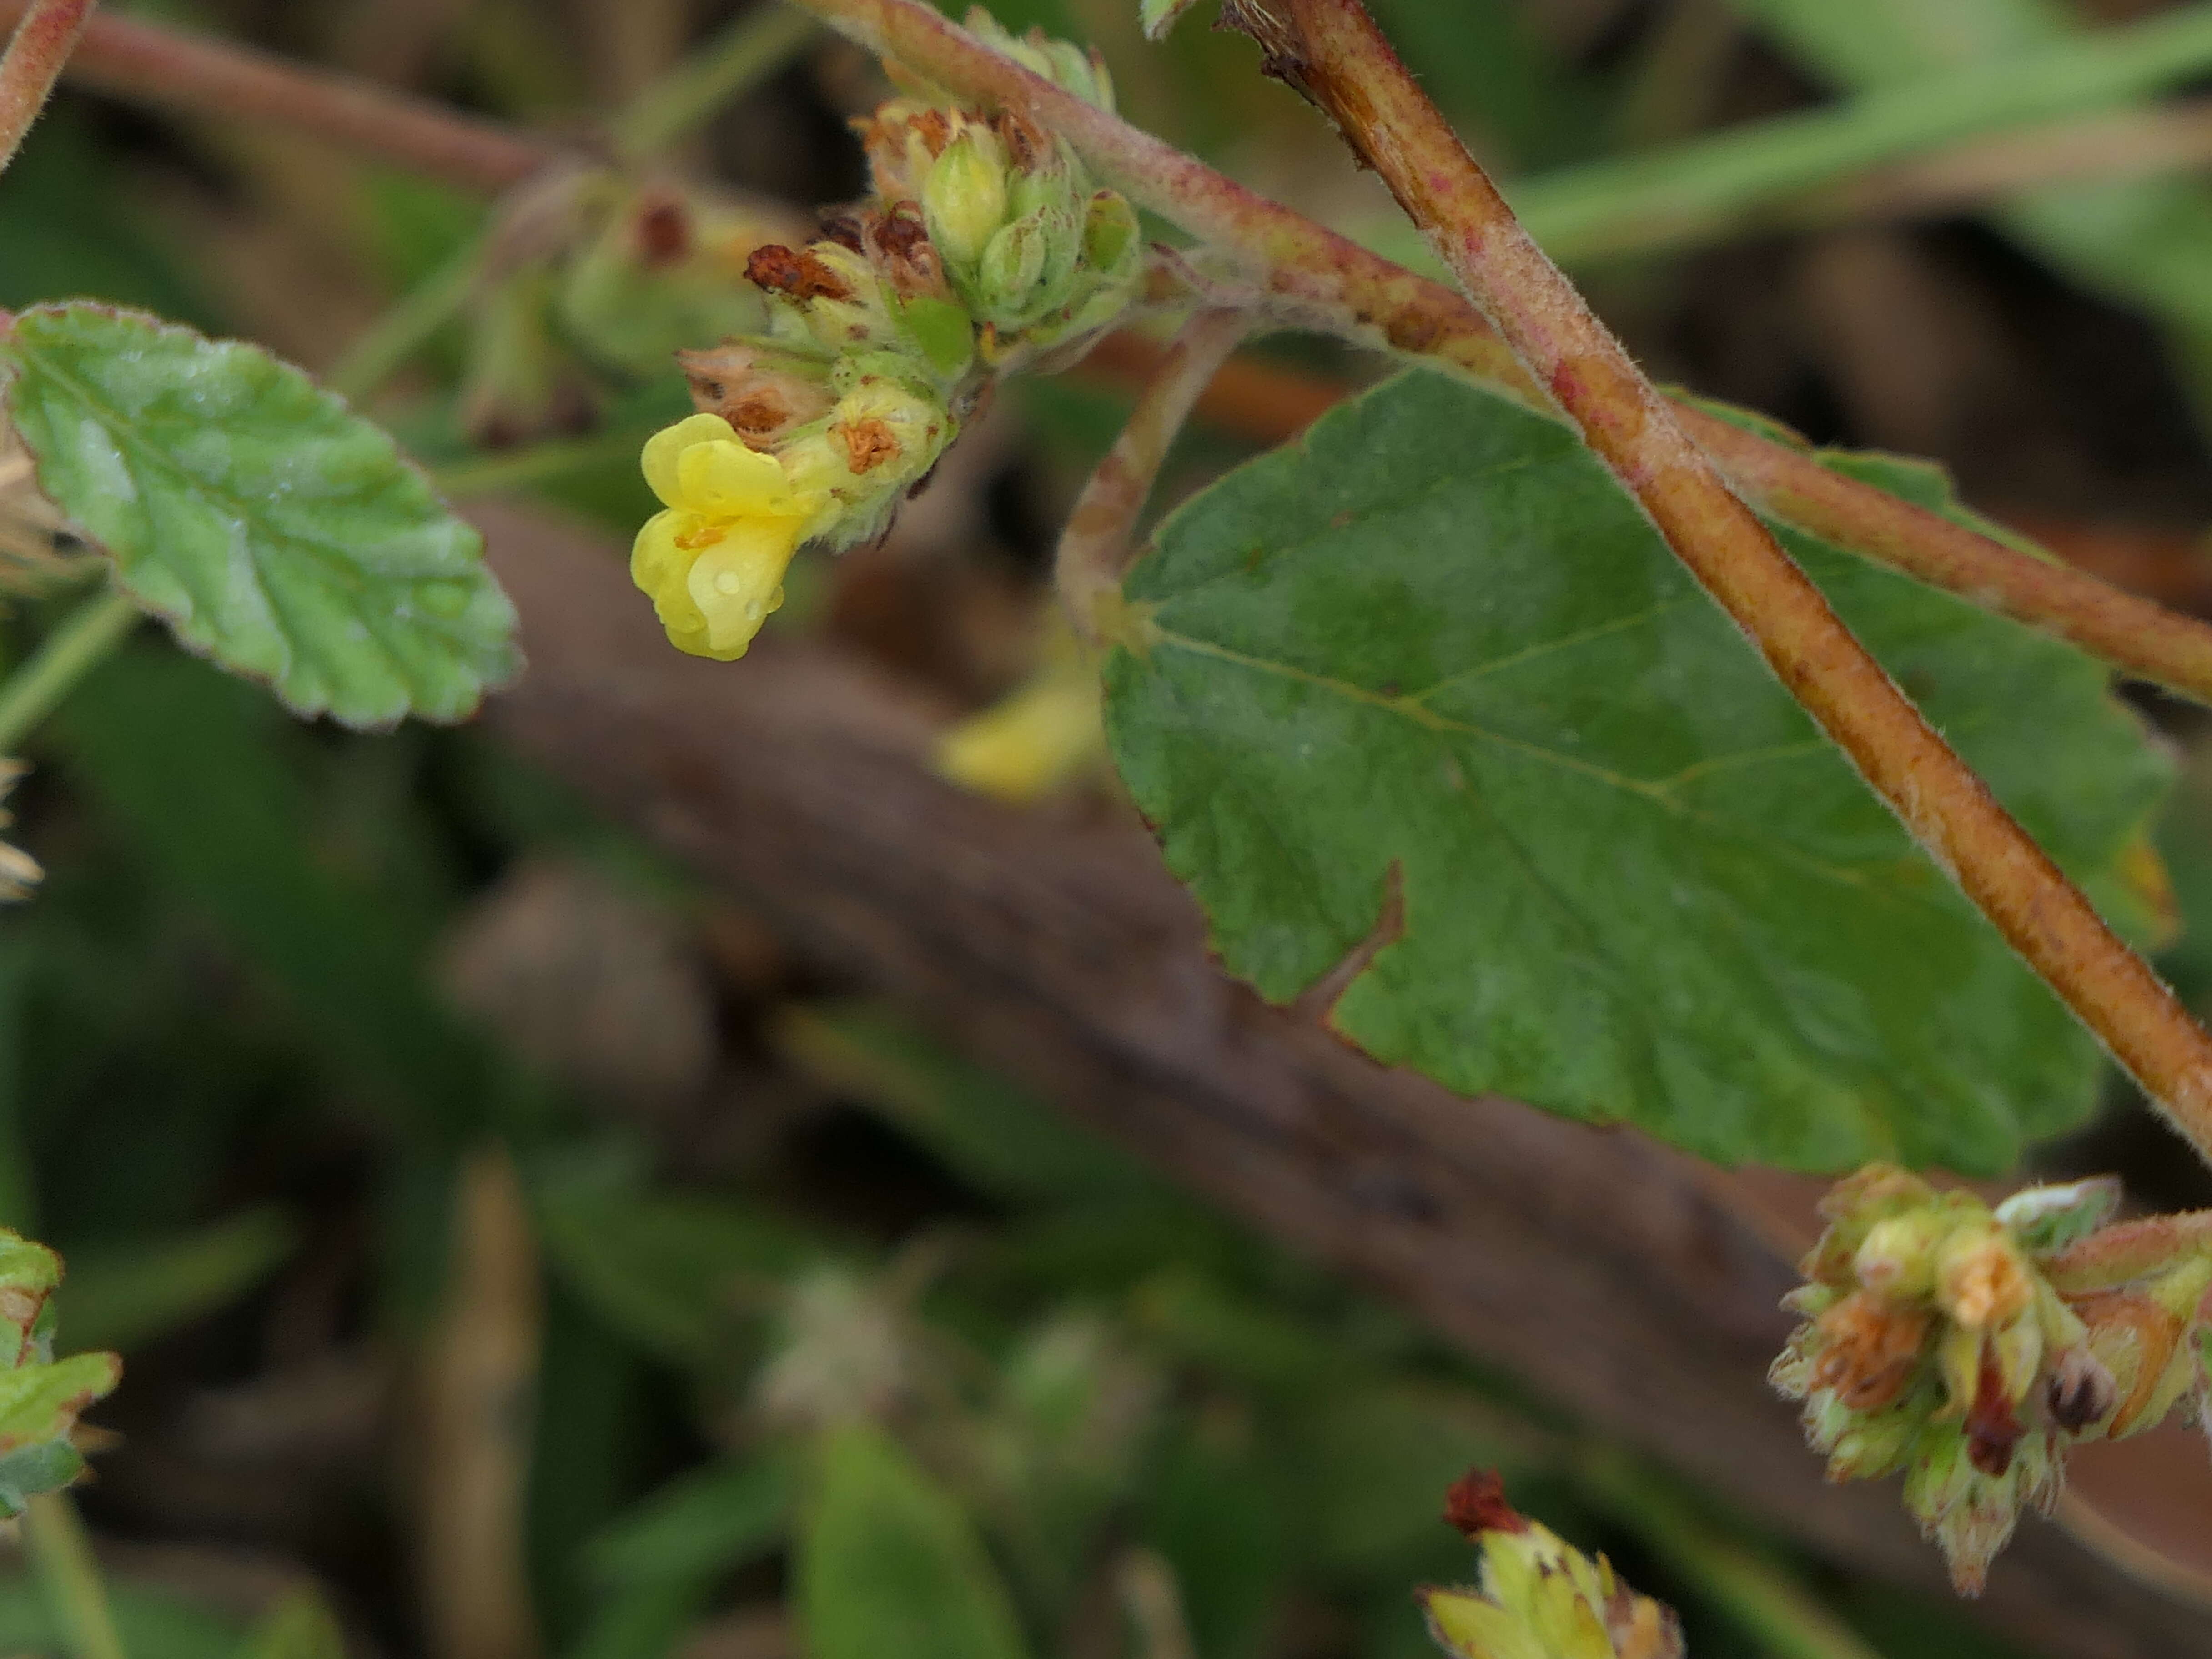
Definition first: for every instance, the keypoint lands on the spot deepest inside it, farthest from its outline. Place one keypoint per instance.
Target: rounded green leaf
(277, 533)
(1434, 647)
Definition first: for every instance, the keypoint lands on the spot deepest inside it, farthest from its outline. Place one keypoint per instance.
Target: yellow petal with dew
(735, 583)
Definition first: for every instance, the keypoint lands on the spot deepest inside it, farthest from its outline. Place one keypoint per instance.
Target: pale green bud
(1983, 1278)
(1113, 239)
(963, 198)
(1012, 268)
(1898, 1256)
(1067, 66)
(2047, 1218)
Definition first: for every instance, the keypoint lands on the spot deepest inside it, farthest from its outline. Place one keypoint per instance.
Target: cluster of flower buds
(1970, 1347)
(40, 1397)
(985, 249)
(1540, 1598)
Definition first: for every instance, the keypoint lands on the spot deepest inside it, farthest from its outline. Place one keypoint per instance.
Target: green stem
(64, 657)
(537, 464)
(406, 328)
(1696, 191)
(753, 49)
(1758, 1598)
(68, 1578)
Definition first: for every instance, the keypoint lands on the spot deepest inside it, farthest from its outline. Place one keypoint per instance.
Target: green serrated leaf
(1434, 646)
(278, 532)
(889, 1564)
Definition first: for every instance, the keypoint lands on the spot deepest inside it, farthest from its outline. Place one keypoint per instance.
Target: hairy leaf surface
(1434, 647)
(279, 533)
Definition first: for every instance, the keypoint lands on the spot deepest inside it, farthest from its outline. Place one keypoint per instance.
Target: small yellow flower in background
(713, 562)
(1037, 737)
(19, 871)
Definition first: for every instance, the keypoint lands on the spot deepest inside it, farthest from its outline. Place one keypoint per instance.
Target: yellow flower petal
(739, 581)
(665, 448)
(660, 560)
(724, 479)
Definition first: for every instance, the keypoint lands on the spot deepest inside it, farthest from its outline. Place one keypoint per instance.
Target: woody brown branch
(1333, 52)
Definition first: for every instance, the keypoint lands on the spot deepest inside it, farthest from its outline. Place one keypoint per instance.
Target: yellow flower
(713, 562)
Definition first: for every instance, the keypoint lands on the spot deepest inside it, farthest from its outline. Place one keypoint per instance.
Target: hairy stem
(68, 1577)
(2128, 1250)
(1332, 51)
(1094, 548)
(65, 656)
(40, 45)
(404, 330)
(1329, 282)
(172, 68)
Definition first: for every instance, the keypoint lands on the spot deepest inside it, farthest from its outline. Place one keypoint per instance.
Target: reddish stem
(171, 69)
(1094, 548)
(41, 44)
(1332, 51)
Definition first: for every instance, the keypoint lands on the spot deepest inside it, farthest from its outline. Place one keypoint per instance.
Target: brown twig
(1332, 51)
(1332, 284)
(1094, 547)
(40, 45)
(171, 69)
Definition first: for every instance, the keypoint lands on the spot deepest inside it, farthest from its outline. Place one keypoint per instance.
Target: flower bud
(2081, 1393)
(964, 200)
(1540, 1598)
(1935, 1336)
(1066, 65)
(762, 392)
(2051, 1217)
(1898, 1258)
(1982, 1278)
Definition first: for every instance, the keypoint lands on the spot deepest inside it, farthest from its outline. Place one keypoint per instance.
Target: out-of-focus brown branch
(1626, 1284)
(173, 69)
(36, 53)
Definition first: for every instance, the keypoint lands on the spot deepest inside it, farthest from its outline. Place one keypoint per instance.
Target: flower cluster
(986, 248)
(1540, 1598)
(1970, 1347)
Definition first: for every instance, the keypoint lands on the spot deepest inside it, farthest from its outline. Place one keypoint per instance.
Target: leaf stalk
(65, 656)
(1094, 546)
